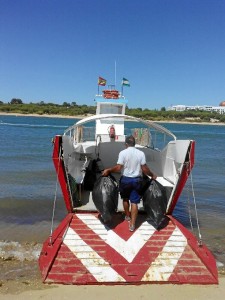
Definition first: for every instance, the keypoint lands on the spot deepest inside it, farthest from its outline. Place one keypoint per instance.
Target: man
(133, 162)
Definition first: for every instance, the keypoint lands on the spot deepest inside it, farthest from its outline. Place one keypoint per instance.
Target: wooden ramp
(83, 250)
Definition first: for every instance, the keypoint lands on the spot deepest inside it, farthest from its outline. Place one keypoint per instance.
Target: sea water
(29, 188)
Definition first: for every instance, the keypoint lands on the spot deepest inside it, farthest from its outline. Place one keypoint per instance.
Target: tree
(163, 108)
(41, 103)
(16, 101)
(66, 104)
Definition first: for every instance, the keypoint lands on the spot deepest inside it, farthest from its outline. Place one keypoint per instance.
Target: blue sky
(171, 51)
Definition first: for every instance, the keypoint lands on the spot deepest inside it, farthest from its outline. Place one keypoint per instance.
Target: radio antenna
(115, 73)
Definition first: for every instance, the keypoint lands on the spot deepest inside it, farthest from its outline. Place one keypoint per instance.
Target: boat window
(142, 137)
(84, 133)
(111, 109)
(146, 136)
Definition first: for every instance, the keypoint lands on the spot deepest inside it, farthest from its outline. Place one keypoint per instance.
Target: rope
(195, 206)
(196, 213)
(55, 197)
(189, 206)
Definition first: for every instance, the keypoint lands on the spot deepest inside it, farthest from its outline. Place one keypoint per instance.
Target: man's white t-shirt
(132, 159)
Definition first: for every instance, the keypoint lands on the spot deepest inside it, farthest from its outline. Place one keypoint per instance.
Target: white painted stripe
(164, 265)
(72, 237)
(128, 249)
(81, 248)
(95, 264)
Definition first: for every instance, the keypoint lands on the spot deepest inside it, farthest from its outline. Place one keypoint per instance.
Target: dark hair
(130, 140)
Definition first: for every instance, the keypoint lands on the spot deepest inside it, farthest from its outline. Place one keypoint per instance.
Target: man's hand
(114, 169)
(106, 172)
(146, 170)
(154, 177)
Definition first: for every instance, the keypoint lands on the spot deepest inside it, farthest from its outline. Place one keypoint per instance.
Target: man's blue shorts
(130, 188)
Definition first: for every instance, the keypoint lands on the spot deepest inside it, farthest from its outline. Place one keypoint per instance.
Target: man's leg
(134, 213)
(126, 207)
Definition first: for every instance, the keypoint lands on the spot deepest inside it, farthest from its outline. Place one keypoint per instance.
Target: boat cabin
(111, 102)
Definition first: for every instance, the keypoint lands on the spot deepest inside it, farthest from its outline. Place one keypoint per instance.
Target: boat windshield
(144, 135)
(109, 108)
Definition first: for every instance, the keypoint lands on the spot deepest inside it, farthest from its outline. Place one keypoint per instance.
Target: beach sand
(22, 280)
(45, 115)
(190, 121)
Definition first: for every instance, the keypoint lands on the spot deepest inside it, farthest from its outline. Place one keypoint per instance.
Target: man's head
(130, 141)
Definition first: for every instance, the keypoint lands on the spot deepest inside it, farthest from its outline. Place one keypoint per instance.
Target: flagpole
(115, 73)
(98, 84)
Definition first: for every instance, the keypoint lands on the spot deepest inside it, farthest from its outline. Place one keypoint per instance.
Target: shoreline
(82, 117)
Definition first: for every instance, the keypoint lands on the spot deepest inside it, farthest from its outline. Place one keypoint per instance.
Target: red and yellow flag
(101, 81)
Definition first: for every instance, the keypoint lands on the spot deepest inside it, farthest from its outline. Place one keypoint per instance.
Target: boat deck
(88, 204)
(83, 250)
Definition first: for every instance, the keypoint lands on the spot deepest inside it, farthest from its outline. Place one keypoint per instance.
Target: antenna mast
(115, 73)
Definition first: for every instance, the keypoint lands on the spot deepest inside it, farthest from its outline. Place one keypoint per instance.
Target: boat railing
(145, 137)
(148, 134)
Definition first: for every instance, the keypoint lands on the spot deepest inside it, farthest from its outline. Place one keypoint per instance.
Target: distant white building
(218, 109)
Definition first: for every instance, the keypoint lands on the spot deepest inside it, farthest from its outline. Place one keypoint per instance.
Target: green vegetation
(41, 108)
(73, 109)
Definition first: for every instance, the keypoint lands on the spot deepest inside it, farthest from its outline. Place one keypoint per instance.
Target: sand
(130, 292)
(125, 292)
(88, 115)
(22, 280)
(44, 115)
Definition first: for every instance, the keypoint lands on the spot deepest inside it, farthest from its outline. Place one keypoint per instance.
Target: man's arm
(145, 169)
(115, 169)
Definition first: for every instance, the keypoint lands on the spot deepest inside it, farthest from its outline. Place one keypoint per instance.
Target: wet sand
(22, 280)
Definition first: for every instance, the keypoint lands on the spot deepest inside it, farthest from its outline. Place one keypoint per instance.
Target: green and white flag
(125, 82)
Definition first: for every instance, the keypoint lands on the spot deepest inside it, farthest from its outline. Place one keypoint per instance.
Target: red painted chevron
(85, 256)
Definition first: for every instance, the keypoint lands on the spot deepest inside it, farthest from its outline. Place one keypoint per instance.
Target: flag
(125, 82)
(101, 81)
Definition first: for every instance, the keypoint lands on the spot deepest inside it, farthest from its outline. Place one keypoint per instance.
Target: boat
(87, 248)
